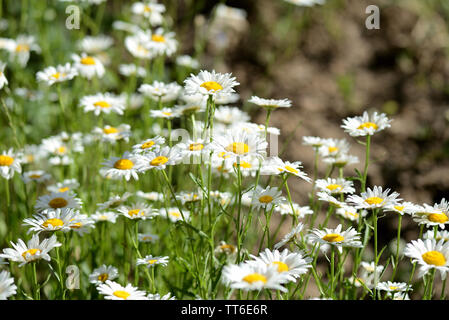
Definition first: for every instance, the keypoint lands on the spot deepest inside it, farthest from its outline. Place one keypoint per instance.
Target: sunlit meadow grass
(131, 171)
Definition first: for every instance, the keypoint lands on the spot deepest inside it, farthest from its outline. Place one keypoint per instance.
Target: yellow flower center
(227, 247)
(121, 294)
(175, 214)
(35, 176)
(134, 212)
(57, 203)
(54, 222)
(123, 164)
(255, 277)
(291, 169)
(238, 148)
(438, 217)
(393, 288)
(152, 261)
(147, 145)
(266, 199)
(22, 47)
(103, 277)
(31, 252)
(64, 189)
(367, 125)
(61, 150)
(282, 267)
(374, 200)
(102, 104)
(146, 9)
(110, 130)
(159, 161)
(6, 161)
(76, 225)
(333, 187)
(223, 155)
(147, 238)
(157, 38)
(196, 146)
(88, 61)
(332, 149)
(435, 258)
(211, 85)
(333, 237)
(399, 208)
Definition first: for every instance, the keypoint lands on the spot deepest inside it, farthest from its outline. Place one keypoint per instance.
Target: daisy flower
(64, 186)
(326, 197)
(159, 159)
(350, 213)
(292, 264)
(152, 196)
(113, 134)
(401, 208)
(266, 198)
(275, 166)
(138, 210)
(189, 197)
(174, 214)
(335, 186)
(103, 273)
(7, 286)
(21, 48)
(88, 66)
(106, 216)
(152, 11)
(128, 70)
(392, 287)
(57, 200)
(114, 201)
(103, 103)
(149, 145)
(333, 147)
(187, 62)
(9, 164)
(38, 176)
(248, 166)
(193, 148)
(95, 44)
(315, 142)
(84, 224)
(429, 254)
(440, 235)
(151, 261)
(113, 291)
(121, 167)
(147, 237)
(53, 220)
(230, 115)
(157, 296)
(374, 198)
(226, 248)
(430, 216)
(305, 3)
(210, 83)
(136, 45)
(239, 145)
(291, 236)
(31, 251)
(254, 276)
(299, 211)
(336, 237)
(60, 73)
(161, 42)
(3, 80)
(270, 103)
(366, 124)
(165, 92)
(165, 113)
